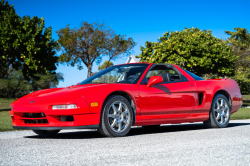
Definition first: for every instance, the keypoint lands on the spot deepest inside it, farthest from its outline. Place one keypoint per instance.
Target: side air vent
(200, 98)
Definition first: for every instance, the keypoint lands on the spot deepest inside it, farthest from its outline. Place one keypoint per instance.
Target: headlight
(69, 106)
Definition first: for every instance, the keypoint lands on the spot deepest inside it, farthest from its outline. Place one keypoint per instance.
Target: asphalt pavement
(182, 144)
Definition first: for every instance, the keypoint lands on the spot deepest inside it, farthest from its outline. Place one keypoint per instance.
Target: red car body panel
(176, 102)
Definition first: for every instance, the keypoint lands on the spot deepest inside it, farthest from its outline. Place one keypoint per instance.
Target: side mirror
(154, 80)
(78, 83)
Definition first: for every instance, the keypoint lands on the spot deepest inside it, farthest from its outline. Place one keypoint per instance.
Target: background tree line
(28, 52)
(203, 54)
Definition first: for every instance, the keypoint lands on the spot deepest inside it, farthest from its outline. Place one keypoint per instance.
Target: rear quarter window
(197, 78)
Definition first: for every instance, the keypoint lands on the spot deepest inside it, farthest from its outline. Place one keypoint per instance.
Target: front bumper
(45, 120)
(40, 115)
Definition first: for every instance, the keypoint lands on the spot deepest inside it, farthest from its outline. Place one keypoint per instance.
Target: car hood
(48, 95)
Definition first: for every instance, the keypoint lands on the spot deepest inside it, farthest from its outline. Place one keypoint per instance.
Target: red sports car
(138, 94)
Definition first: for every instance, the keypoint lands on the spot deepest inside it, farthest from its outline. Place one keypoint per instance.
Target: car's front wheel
(46, 133)
(116, 118)
(219, 114)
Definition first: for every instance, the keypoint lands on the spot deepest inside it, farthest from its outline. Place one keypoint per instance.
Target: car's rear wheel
(219, 114)
(46, 133)
(116, 118)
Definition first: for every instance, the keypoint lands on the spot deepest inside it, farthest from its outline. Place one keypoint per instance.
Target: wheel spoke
(217, 110)
(125, 113)
(114, 123)
(120, 107)
(114, 108)
(222, 102)
(218, 116)
(124, 121)
(222, 119)
(119, 126)
(112, 116)
(218, 105)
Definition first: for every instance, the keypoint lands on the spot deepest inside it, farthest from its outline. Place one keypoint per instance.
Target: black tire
(46, 133)
(110, 126)
(216, 114)
(151, 126)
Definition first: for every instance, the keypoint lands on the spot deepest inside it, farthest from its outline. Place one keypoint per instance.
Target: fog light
(69, 106)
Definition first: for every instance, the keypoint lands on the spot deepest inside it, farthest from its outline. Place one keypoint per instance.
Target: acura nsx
(121, 96)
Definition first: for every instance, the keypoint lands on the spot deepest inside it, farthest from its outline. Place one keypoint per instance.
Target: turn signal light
(95, 104)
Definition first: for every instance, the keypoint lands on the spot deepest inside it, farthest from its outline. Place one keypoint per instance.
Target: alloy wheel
(221, 111)
(118, 116)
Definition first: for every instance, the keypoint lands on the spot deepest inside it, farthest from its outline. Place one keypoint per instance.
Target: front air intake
(66, 118)
(35, 121)
(34, 118)
(34, 115)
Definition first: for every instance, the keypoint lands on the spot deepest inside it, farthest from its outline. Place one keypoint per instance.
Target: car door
(174, 98)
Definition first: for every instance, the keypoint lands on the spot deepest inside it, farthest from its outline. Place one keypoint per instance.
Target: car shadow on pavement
(81, 134)
(176, 128)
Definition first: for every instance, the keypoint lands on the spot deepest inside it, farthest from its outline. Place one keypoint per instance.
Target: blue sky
(143, 20)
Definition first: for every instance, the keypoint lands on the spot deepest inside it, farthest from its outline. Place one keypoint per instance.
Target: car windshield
(128, 73)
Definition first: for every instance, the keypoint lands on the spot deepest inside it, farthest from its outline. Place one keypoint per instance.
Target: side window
(168, 74)
(174, 76)
(154, 73)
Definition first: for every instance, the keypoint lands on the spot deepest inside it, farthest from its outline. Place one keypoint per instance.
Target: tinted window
(197, 78)
(168, 74)
(129, 73)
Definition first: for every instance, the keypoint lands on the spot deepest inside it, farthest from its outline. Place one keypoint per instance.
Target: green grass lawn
(5, 119)
(5, 104)
(243, 113)
(246, 97)
(6, 123)
(246, 100)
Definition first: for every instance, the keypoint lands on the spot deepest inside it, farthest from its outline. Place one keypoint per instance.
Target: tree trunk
(89, 70)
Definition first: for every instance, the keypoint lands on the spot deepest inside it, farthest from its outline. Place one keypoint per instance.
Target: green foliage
(15, 85)
(105, 65)
(25, 44)
(239, 40)
(193, 49)
(89, 43)
(117, 46)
